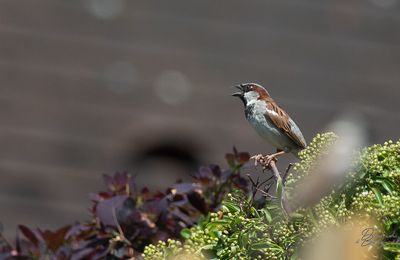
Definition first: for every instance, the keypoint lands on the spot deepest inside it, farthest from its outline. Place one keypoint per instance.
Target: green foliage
(378, 185)
(241, 231)
(231, 233)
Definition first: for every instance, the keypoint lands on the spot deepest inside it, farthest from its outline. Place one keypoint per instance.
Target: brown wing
(280, 118)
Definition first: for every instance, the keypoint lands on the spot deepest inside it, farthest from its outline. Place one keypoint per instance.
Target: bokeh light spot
(172, 87)
(105, 9)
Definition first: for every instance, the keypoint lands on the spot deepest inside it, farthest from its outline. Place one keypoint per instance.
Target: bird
(270, 121)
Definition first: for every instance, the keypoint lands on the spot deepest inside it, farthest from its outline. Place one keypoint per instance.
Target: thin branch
(285, 175)
(5, 240)
(121, 232)
(275, 171)
(277, 175)
(272, 176)
(271, 164)
(266, 188)
(266, 194)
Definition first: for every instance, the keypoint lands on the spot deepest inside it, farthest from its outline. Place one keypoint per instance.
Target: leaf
(388, 187)
(207, 247)
(203, 221)
(29, 234)
(216, 223)
(216, 233)
(231, 207)
(216, 170)
(184, 187)
(254, 212)
(56, 239)
(296, 215)
(241, 240)
(186, 233)
(386, 184)
(392, 247)
(106, 210)
(230, 159)
(279, 192)
(312, 217)
(272, 206)
(362, 174)
(267, 214)
(243, 157)
(260, 245)
(125, 212)
(378, 195)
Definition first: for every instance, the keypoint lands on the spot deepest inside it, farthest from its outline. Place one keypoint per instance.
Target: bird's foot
(257, 159)
(264, 160)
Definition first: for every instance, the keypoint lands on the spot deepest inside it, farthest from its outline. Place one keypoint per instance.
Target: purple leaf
(106, 210)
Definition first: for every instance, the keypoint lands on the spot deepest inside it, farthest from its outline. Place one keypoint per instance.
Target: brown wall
(89, 87)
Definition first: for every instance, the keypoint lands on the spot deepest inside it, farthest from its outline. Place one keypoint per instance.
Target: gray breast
(255, 114)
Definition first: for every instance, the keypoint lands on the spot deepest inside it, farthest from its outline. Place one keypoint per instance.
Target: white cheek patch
(251, 96)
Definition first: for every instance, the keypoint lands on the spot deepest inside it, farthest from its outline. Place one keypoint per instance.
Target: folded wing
(282, 120)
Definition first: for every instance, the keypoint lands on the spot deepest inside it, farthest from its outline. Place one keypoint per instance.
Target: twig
(275, 171)
(285, 203)
(271, 164)
(254, 186)
(266, 189)
(121, 232)
(5, 240)
(272, 176)
(266, 194)
(252, 181)
(285, 175)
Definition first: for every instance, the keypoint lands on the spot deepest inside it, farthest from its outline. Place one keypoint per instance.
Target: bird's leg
(272, 157)
(265, 160)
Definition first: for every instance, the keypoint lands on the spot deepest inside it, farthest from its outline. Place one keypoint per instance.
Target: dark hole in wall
(170, 151)
(159, 165)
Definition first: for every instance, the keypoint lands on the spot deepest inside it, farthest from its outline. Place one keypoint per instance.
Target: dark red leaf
(230, 159)
(29, 234)
(243, 157)
(55, 240)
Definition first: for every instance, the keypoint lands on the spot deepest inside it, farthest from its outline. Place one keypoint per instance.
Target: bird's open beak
(239, 93)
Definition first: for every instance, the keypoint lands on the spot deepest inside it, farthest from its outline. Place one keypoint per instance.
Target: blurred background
(89, 87)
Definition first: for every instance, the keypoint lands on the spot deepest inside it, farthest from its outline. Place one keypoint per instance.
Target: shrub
(242, 231)
(124, 220)
(220, 216)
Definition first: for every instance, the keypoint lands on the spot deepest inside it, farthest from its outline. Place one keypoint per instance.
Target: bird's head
(250, 92)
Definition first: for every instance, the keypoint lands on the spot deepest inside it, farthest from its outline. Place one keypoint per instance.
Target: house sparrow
(270, 121)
